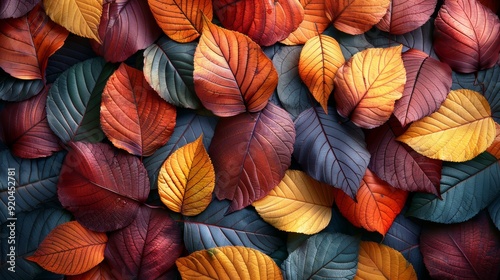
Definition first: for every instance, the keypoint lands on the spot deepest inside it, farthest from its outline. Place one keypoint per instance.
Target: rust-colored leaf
(314, 23)
(231, 72)
(100, 272)
(404, 16)
(494, 148)
(133, 116)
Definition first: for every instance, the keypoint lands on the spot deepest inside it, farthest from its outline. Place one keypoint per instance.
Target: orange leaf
(494, 148)
(28, 42)
(381, 262)
(368, 85)
(100, 272)
(231, 72)
(319, 61)
(314, 23)
(378, 204)
(356, 16)
(181, 20)
(187, 179)
(70, 249)
(133, 116)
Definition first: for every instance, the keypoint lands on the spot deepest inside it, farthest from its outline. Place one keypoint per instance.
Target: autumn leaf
(297, 204)
(70, 249)
(231, 72)
(15, 8)
(404, 16)
(461, 129)
(187, 179)
(368, 85)
(100, 272)
(314, 23)
(228, 262)
(494, 148)
(319, 61)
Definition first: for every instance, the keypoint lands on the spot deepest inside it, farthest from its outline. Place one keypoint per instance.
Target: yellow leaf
(187, 179)
(459, 130)
(319, 61)
(368, 85)
(297, 204)
(314, 23)
(81, 17)
(380, 262)
(494, 148)
(70, 249)
(229, 262)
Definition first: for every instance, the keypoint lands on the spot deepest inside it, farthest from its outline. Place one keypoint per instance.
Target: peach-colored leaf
(314, 23)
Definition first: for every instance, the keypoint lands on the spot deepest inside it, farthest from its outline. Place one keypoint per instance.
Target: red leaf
(467, 35)
(16, 8)
(266, 22)
(398, 164)
(145, 249)
(101, 186)
(133, 116)
(26, 129)
(405, 16)
(250, 154)
(468, 250)
(28, 42)
(126, 26)
(428, 82)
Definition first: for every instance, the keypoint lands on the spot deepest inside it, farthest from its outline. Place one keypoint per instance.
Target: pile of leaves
(250, 139)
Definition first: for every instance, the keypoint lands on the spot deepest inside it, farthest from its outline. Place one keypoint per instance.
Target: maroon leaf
(16, 8)
(126, 26)
(467, 35)
(103, 187)
(468, 250)
(428, 82)
(493, 5)
(398, 164)
(25, 129)
(404, 16)
(145, 249)
(251, 153)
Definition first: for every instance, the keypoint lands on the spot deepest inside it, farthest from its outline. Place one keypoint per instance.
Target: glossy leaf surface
(405, 16)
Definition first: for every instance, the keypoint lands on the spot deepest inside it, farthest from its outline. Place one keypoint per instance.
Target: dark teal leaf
(168, 68)
(189, 126)
(494, 210)
(212, 228)
(36, 181)
(349, 44)
(323, 256)
(74, 101)
(331, 150)
(466, 188)
(12, 89)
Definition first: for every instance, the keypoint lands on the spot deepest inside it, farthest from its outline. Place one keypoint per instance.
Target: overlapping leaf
(125, 27)
(459, 130)
(376, 206)
(314, 23)
(324, 255)
(467, 35)
(466, 188)
(231, 72)
(28, 42)
(101, 186)
(366, 12)
(350, 44)
(329, 150)
(378, 261)
(181, 20)
(428, 82)
(80, 17)
(187, 179)
(266, 22)
(405, 16)
(133, 116)
(494, 210)
(25, 128)
(494, 148)
(70, 249)
(15, 9)
(100, 272)
(168, 68)
(368, 85)
(145, 249)
(12, 89)
(251, 153)
(468, 250)
(297, 204)
(227, 263)
(320, 58)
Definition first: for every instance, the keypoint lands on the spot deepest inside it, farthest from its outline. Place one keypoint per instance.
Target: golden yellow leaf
(319, 61)
(229, 262)
(297, 204)
(314, 23)
(81, 17)
(368, 85)
(187, 179)
(380, 262)
(494, 148)
(459, 130)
